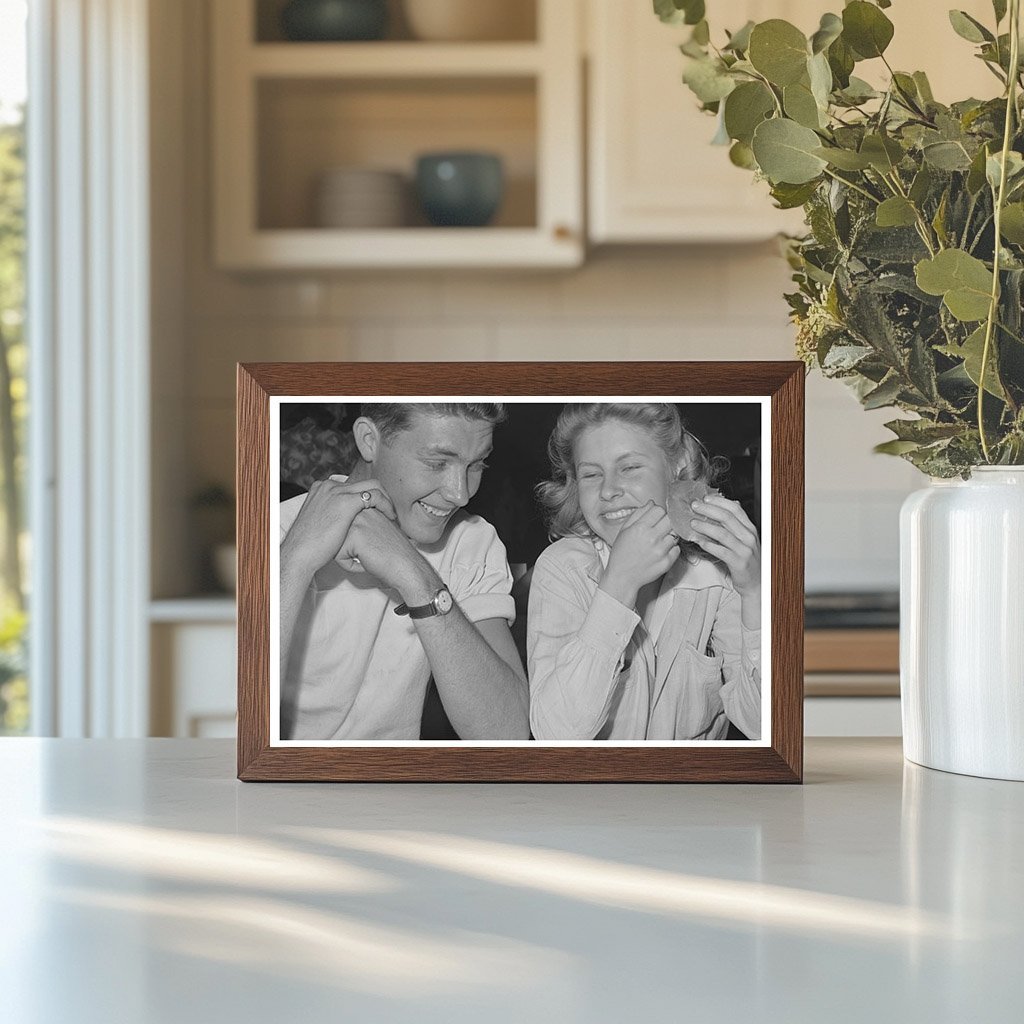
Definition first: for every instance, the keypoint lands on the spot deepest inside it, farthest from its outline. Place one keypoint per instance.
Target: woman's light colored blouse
(598, 671)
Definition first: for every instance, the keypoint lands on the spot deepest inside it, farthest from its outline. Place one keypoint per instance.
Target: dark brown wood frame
(782, 761)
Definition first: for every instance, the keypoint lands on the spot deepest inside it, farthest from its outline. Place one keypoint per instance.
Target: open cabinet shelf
(286, 114)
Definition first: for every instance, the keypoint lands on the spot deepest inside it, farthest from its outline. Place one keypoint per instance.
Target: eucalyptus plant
(910, 278)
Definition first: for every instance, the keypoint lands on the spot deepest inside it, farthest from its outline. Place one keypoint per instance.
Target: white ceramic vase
(962, 624)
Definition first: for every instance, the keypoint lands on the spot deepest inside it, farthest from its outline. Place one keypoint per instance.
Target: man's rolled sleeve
(479, 577)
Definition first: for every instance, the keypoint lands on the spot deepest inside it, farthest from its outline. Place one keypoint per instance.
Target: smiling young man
(385, 581)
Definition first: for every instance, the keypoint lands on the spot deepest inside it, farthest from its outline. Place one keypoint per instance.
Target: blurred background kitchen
(374, 180)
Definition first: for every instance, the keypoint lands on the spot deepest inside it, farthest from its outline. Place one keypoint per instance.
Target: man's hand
(322, 526)
(643, 551)
(384, 551)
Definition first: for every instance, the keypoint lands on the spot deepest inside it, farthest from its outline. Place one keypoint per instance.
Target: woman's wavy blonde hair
(559, 497)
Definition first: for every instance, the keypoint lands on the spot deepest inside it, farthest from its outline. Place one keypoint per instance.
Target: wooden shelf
(852, 650)
(393, 60)
(401, 247)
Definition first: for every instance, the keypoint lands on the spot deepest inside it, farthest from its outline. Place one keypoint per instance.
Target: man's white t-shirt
(356, 670)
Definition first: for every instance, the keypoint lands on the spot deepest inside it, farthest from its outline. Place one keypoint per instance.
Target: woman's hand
(726, 533)
(322, 526)
(644, 550)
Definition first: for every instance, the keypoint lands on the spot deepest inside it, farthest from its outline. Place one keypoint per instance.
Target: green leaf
(976, 175)
(831, 27)
(739, 41)
(778, 50)
(844, 159)
(679, 12)
(885, 394)
(820, 76)
(859, 91)
(963, 281)
(923, 431)
(668, 12)
(947, 156)
(968, 28)
(707, 80)
(921, 369)
(800, 105)
(789, 197)
(866, 29)
(924, 88)
(1014, 169)
(745, 108)
(691, 48)
(921, 186)
(1012, 223)
(999, 6)
(939, 220)
(841, 60)
(742, 155)
(895, 447)
(971, 352)
(694, 11)
(896, 212)
(701, 33)
(883, 153)
(721, 136)
(785, 152)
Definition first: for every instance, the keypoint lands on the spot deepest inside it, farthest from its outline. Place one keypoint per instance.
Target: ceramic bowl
(460, 189)
(334, 20)
(469, 20)
(361, 197)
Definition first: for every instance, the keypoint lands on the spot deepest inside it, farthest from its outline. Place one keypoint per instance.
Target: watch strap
(432, 607)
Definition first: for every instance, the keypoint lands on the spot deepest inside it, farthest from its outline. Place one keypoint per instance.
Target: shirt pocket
(699, 680)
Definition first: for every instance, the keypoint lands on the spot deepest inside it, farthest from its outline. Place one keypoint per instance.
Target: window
(14, 548)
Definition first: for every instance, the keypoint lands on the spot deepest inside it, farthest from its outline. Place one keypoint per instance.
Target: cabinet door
(653, 174)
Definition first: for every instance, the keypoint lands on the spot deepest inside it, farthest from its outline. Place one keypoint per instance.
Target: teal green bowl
(460, 189)
(332, 21)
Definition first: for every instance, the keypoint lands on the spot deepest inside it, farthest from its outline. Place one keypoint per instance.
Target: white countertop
(143, 884)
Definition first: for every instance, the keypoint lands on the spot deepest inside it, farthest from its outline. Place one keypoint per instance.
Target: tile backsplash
(718, 302)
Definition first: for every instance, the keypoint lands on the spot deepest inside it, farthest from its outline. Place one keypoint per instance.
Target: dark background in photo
(316, 442)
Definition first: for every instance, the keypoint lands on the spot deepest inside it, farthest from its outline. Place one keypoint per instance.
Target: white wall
(721, 302)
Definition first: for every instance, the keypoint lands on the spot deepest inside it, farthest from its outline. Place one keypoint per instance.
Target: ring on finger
(366, 496)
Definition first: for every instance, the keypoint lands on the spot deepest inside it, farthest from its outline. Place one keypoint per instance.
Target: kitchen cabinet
(193, 655)
(286, 113)
(653, 175)
(852, 682)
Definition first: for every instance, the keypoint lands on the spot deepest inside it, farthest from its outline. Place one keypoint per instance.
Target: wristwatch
(440, 604)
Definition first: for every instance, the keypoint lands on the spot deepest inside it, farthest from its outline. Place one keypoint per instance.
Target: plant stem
(855, 187)
(770, 88)
(922, 225)
(993, 308)
(970, 215)
(1012, 334)
(981, 231)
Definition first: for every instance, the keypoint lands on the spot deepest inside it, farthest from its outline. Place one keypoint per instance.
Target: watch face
(443, 602)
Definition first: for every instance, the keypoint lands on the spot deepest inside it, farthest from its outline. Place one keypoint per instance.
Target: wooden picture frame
(777, 757)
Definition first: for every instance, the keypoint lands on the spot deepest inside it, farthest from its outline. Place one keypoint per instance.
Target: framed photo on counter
(517, 572)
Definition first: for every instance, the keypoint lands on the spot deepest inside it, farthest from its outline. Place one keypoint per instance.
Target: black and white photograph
(519, 571)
